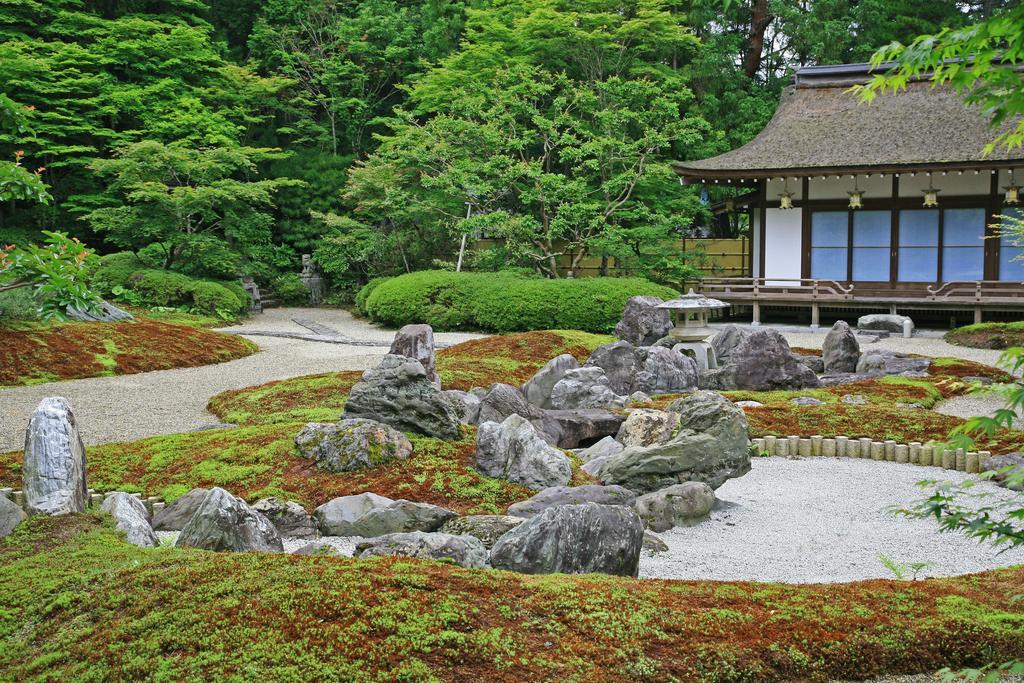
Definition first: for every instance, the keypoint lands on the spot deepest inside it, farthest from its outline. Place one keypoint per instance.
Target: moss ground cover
(33, 352)
(988, 335)
(173, 614)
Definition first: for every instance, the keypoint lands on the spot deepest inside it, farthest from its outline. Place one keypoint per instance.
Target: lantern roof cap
(693, 301)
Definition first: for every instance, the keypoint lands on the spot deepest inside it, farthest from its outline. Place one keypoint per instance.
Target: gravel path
(128, 407)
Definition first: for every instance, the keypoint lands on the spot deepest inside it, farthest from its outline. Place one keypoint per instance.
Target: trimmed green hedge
(503, 302)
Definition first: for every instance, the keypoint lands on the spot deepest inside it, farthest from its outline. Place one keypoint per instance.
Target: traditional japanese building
(885, 205)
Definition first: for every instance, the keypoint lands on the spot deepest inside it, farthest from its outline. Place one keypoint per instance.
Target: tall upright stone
(53, 473)
(643, 323)
(840, 351)
(417, 342)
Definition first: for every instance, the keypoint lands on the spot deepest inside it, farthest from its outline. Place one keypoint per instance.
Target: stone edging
(154, 504)
(914, 453)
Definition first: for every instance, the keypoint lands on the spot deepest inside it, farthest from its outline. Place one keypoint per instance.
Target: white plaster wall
(755, 242)
(775, 188)
(873, 187)
(951, 185)
(782, 246)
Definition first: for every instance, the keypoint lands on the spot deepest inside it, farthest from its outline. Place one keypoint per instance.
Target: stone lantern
(691, 329)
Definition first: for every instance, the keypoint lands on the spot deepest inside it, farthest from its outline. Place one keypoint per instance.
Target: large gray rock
(53, 472)
(891, 363)
(336, 517)
(594, 465)
(711, 445)
(618, 361)
(570, 428)
(663, 371)
(840, 351)
(486, 528)
(646, 427)
(605, 447)
(400, 516)
(466, 404)
(289, 518)
(585, 387)
(132, 518)
(726, 341)
(642, 322)
(106, 312)
(571, 495)
(515, 451)
(1007, 469)
(464, 551)
(537, 389)
(502, 400)
(676, 505)
(417, 342)
(317, 548)
(175, 516)
(763, 362)
(883, 322)
(399, 393)
(11, 516)
(574, 539)
(815, 363)
(225, 522)
(352, 444)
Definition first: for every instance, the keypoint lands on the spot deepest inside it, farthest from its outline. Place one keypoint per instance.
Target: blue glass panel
(918, 264)
(871, 229)
(963, 263)
(871, 264)
(963, 227)
(829, 229)
(1011, 251)
(919, 228)
(828, 263)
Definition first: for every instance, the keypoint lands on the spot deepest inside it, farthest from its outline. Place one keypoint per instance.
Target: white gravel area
(129, 407)
(822, 520)
(816, 520)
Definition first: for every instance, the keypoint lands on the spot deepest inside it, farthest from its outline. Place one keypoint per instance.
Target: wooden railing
(980, 291)
(802, 289)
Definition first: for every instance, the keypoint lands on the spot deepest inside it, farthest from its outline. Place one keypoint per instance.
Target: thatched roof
(820, 127)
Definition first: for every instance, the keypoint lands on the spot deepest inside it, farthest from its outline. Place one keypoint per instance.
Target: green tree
(203, 211)
(16, 182)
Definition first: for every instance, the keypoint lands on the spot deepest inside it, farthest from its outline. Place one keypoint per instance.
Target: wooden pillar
(815, 316)
(977, 314)
(757, 314)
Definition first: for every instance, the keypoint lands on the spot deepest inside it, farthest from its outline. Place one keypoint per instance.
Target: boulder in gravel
(726, 340)
(11, 516)
(570, 428)
(676, 505)
(225, 522)
(502, 400)
(417, 342)
(876, 362)
(606, 446)
(883, 322)
(537, 389)
(585, 387)
(336, 517)
(711, 445)
(515, 451)
(485, 528)
(643, 323)
(571, 495)
(132, 518)
(352, 444)
(646, 427)
(106, 312)
(464, 551)
(840, 351)
(400, 516)
(175, 516)
(763, 362)
(399, 393)
(663, 371)
(53, 471)
(573, 539)
(467, 405)
(653, 544)
(288, 517)
(618, 361)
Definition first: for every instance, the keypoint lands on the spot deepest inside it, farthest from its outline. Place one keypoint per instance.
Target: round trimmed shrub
(162, 287)
(114, 270)
(505, 302)
(366, 291)
(213, 297)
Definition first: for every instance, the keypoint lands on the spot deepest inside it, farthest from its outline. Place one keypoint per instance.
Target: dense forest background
(219, 138)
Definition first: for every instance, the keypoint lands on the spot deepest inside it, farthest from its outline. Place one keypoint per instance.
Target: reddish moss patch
(74, 350)
(400, 619)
